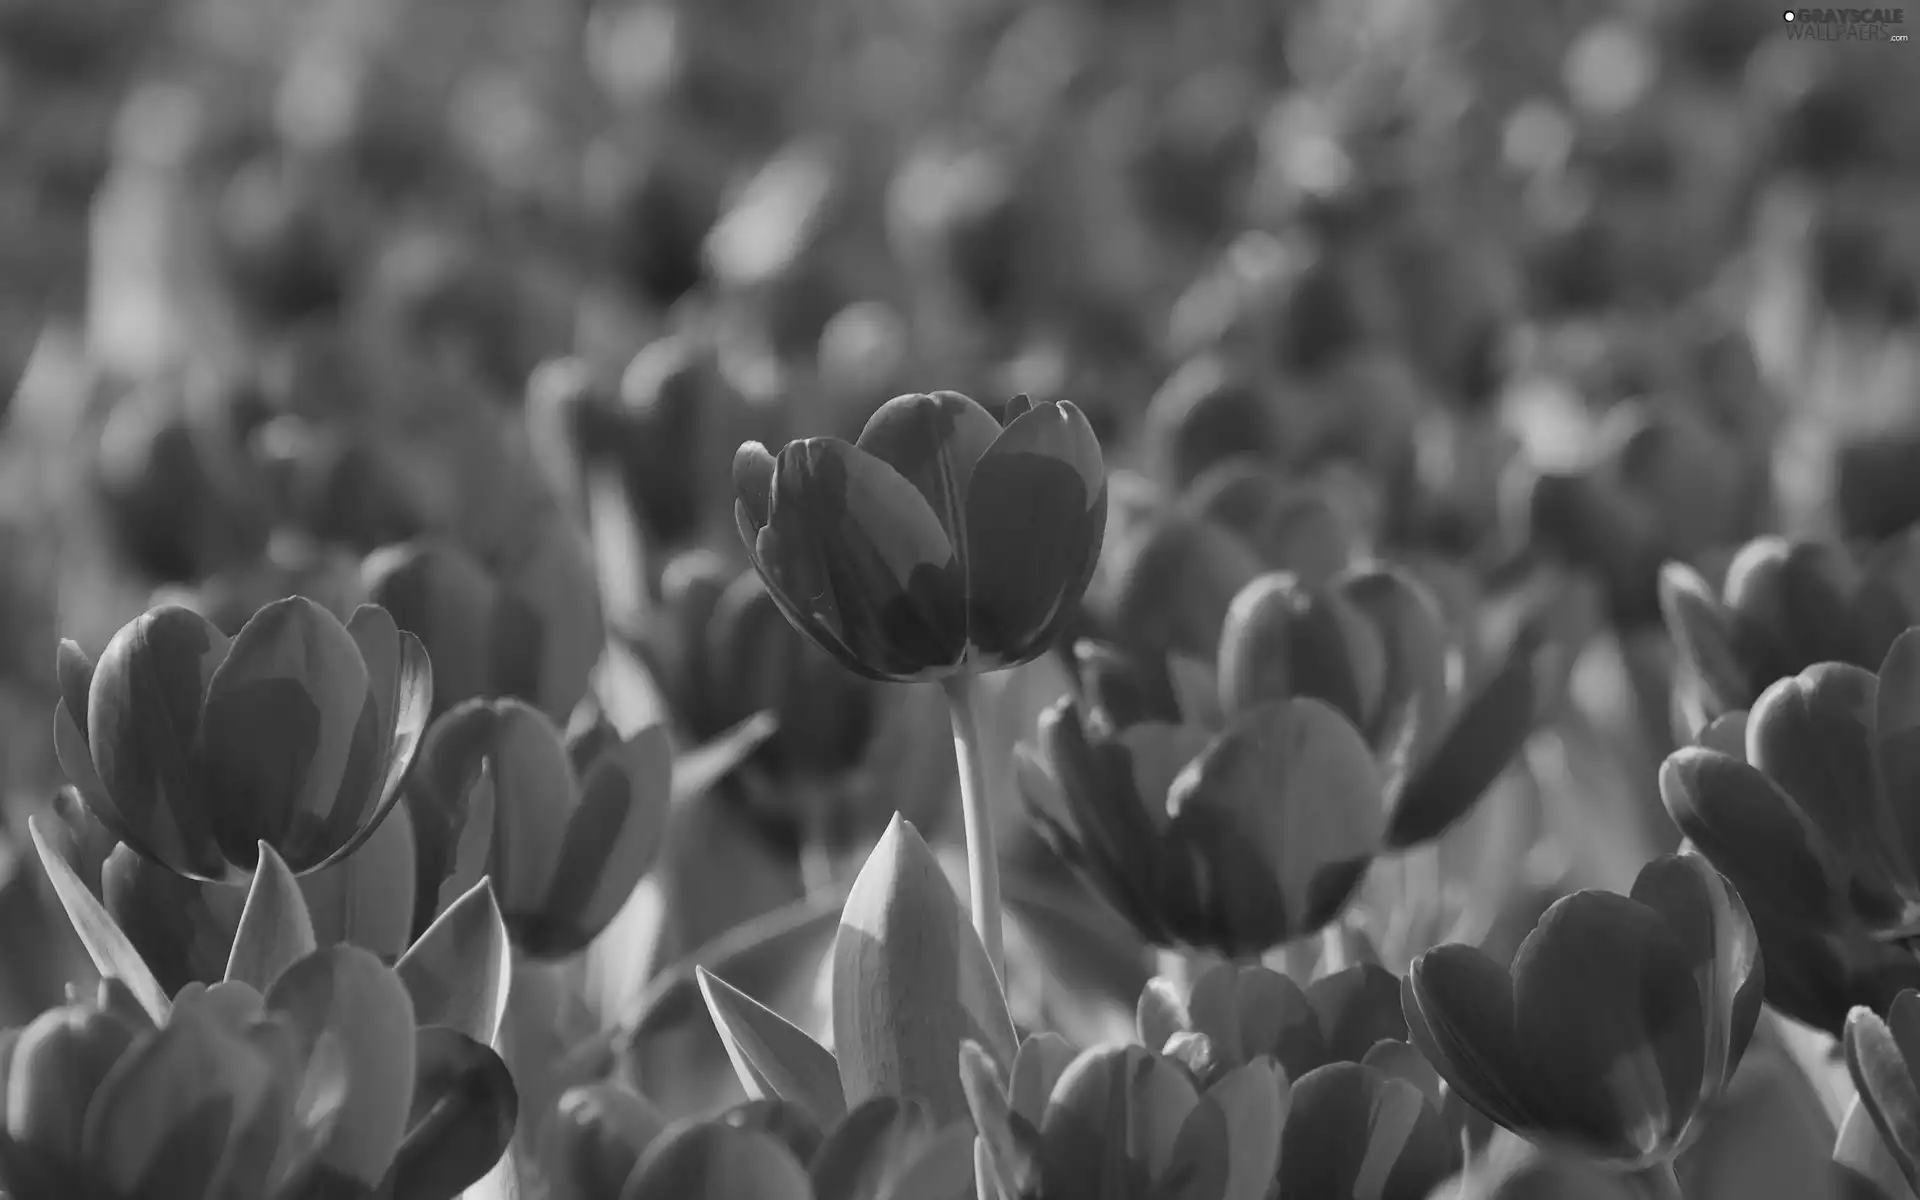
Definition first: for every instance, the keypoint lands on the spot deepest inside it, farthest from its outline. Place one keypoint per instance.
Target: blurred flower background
(1378, 637)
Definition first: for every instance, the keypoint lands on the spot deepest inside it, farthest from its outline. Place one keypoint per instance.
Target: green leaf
(106, 944)
(774, 1058)
(275, 930)
(697, 770)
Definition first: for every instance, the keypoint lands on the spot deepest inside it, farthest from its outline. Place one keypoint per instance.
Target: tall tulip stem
(1660, 1183)
(976, 808)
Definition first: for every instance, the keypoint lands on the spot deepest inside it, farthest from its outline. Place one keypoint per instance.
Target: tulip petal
(1302, 786)
(1251, 1103)
(710, 1161)
(612, 840)
(367, 897)
(1812, 735)
(1415, 698)
(460, 971)
(1897, 736)
(276, 733)
(347, 992)
(1280, 640)
(182, 929)
(869, 1146)
(1485, 736)
(1701, 628)
(1294, 527)
(859, 562)
(450, 803)
(1357, 1009)
(1748, 828)
(933, 441)
(1112, 1123)
(142, 717)
(1460, 1015)
(1869, 1170)
(165, 1119)
(439, 594)
(535, 795)
(392, 721)
(105, 943)
(76, 762)
(1249, 1011)
(1880, 1057)
(1354, 1131)
(600, 1133)
(774, 1059)
(464, 1112)
(940, 1169)
(911, 982)
(274, 929)
(1710, 920)
(1036, 517)
(1607, 1012)
(1172, 595)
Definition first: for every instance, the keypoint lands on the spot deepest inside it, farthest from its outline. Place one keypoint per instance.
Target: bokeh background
(1525, 283)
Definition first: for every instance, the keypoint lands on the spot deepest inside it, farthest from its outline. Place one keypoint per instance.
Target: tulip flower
(575, 826)
(842, 757)
(1622, 1021)
(1124, 1123)
(1809, 818)
(1784, 607)
(1250, 1011)
(193, 748)
(596, 1139)
(941, 541)
(1207, 413)
(533, 633)
(97, 1101)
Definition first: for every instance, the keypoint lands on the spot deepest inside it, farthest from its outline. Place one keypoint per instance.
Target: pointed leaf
(911, 982)
(774, 1058)
(459, 972)
(106, 945)
(275, 930)
(696, 771)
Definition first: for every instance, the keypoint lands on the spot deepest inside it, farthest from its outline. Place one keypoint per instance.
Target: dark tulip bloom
(1623, 1019)
(940, 542)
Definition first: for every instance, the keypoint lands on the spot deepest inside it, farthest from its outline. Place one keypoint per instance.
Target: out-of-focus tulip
(1247, 1012)
(1207, 413)
(193, 748)
(596, 1139)
(530, 634)
(942, 541)
(1664, 485)
(1122, 1121)
(963, 220)
(575, 826)
(1785, 606)
(292, 566)
(840, 761)
(1622, 1020)
(1811, 825)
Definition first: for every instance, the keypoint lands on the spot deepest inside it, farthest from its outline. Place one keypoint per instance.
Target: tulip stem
(1661, 1183)
(983, 857)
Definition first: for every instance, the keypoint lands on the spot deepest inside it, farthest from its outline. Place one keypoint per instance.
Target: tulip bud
(568, 847)
(439, 594)
(597, 1137)
(58, 1063)
(1282, 640)
(1204, 415)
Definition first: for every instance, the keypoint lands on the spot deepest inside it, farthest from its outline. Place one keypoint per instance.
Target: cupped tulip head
(1233, 842)
(1622, 1019)
(1247, 1012)
(1206, 414)
(940, 542)
(52, 1070)
(1376, 1129)
(596, 1138)
(575, 828)
(193, 748)
(1815, 821)
(1125, 1121)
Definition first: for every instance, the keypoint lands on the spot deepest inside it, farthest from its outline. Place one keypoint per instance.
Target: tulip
(574, 826)
(1622, 1022)
(1206, 414)
(1124, 1123)
(841, 760)
(941, 541)
(193, 748)
(532, 633)
(1785, 606)
(1249, 1012)
(596, 1139)
(1812, 825)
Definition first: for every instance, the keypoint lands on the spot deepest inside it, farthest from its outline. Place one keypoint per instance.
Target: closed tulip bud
(1792, 604)
(193, 748)
(1667, 980)
(569, 844)
(1205, 414)
(596, 1138)
(940, 542)
(57, 1064)
(1124, 1121)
